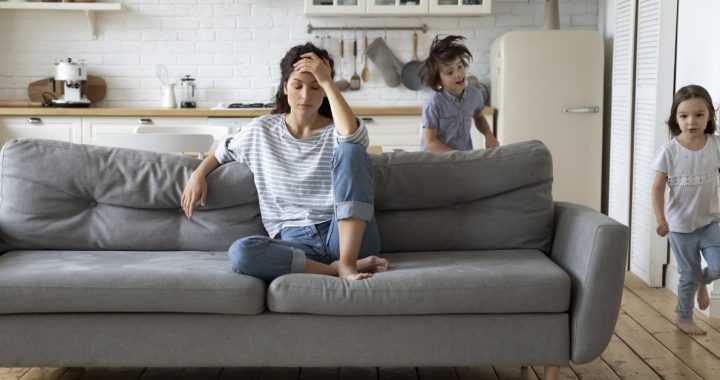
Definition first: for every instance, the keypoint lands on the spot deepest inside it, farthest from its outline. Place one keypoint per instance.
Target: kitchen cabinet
(459, 7)
(396, 7)
(335, 7)
(92, 126)
(404, 132)
(63, 128)
(88, 8)
(394, 132)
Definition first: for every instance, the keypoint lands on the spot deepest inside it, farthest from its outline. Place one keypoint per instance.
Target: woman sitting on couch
(313, 177)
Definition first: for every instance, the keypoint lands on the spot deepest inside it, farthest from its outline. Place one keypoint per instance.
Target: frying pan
(410, 74)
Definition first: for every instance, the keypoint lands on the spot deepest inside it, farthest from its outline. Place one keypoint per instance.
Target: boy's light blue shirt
(452, 117)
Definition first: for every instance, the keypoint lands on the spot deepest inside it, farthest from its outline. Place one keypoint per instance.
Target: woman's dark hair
(687, 93)
(286, 68)
(444, 50)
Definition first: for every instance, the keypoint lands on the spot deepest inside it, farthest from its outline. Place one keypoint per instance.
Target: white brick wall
(232, 47)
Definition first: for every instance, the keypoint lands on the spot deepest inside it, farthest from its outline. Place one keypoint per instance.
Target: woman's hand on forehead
(318, 67)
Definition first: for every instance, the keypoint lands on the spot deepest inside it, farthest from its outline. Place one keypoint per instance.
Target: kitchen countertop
(189, 112)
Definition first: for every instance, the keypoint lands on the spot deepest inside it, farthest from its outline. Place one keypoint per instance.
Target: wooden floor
(646, 345)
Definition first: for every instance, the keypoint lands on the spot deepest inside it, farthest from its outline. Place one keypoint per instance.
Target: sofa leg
(552, 373)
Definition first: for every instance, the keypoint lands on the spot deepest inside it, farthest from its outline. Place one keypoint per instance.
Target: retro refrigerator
(548, 85)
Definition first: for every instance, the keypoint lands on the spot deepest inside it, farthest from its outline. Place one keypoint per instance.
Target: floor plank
(625, 362)
(515, 373)
(73, 373)
(240, 373)
(358, 373)
(475, 373)
(12, 373)
(158, 373)
(663, 301)
(113, 373)
(44, 373)
(397, 373)
(282, 373)
(597, 369)
(657, 356)
(200, 373)
(436, 373)
(696, 356)
(311, 373)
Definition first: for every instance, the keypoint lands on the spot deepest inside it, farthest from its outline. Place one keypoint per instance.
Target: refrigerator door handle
(591, 109)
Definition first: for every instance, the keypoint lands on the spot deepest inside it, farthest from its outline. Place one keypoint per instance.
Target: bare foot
(689, 327)
(703, 298)
(373, 264)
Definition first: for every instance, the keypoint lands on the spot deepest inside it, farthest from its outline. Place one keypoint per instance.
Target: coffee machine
(74, 76)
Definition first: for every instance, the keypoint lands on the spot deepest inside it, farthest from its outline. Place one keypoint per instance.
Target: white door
(548, 86)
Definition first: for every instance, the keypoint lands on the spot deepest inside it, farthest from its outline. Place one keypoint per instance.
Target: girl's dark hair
(687, 93)
(286, 68)
(445, 51)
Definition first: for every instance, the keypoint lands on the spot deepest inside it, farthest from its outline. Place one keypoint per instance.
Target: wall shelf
(88, 8)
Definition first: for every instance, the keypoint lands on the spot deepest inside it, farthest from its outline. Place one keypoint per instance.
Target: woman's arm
(196, 189)
(658, 200)
(482, 125)
(345, 121)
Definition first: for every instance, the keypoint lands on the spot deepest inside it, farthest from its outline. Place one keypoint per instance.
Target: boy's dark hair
(687, 93)
(444, 50)
(286, 68)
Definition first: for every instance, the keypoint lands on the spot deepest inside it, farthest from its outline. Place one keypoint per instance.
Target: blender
(188, 92)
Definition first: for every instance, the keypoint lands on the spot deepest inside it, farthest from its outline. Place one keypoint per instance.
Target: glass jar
(188, 92)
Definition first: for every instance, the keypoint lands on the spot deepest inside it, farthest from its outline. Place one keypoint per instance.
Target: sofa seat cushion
(507, 281)
(129, 281)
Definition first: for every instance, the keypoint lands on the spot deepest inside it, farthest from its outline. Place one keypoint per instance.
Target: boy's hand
(663, 229)
(491, 142)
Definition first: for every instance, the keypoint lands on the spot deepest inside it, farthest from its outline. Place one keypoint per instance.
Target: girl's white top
(692, 200)
(293, 176)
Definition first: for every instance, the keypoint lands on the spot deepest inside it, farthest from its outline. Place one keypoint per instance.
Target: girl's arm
(345, 121)
(482, 125)
(658, 200)
(432, 143)
(196, 189)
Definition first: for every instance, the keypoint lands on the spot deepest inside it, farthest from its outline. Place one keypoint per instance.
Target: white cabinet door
(335, 7)
(394, 132)
(459, 7)
(92, 126)
(397, 7)
(63, 128)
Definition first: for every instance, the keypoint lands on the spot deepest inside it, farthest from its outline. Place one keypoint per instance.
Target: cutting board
(95, 89)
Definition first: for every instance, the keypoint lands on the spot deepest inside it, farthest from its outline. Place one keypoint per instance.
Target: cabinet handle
(367, 120)
(145, 121)
(34, 120)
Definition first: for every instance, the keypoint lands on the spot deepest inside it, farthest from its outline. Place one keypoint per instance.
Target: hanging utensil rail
(310, 28)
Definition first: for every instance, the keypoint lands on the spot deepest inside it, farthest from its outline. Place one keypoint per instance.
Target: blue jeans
(268, 258)
(687, 248)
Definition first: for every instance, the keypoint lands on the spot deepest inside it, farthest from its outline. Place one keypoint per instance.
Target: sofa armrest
(592, 248)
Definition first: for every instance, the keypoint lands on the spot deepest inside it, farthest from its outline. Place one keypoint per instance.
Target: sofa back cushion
(484, 199)
(57, 195)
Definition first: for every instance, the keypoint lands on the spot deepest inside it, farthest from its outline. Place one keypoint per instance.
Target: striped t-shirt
(293, 176)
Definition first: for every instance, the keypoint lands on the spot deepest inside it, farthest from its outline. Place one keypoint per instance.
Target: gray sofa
(99, 267)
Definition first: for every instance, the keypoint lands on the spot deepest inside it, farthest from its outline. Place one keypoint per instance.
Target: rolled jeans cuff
(354, 210)
(298, 261)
